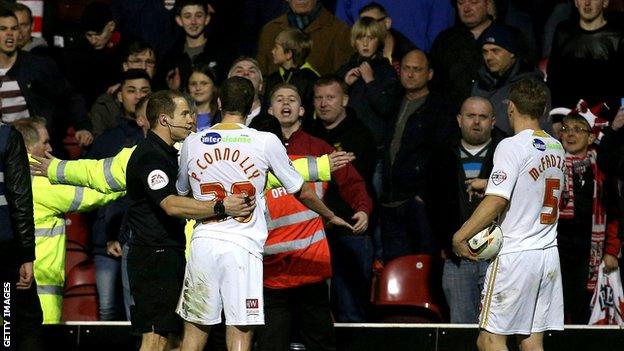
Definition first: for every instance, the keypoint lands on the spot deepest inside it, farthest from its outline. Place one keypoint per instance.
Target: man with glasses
(587, 232)
(137, 55)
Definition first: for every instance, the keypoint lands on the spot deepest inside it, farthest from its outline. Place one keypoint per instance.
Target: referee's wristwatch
(219, 208)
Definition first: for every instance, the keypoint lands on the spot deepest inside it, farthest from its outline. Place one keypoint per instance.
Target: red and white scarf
(599, 214)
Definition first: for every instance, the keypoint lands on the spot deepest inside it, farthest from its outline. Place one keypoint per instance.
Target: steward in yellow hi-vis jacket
(50, 203)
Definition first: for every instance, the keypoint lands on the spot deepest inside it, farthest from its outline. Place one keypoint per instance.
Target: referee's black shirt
(150, 177)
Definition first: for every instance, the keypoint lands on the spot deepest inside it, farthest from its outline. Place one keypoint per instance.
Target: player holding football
(522, 295)
(224, 269)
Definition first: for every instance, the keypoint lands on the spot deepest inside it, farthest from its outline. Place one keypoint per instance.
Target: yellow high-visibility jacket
(108, 175)
(50, 203)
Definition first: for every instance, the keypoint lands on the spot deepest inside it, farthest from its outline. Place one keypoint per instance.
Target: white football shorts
(523, 293)
(221, 275)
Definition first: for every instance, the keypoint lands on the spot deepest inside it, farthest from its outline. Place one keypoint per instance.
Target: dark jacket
(211, 55)
(455, 59)
(587, 64)
(18, 190)
(496, 89)
(405, 178)
(402, 45)
(92, 71)
(48, 94)
(353, 136)
(446, 190)
(108, 224)
(104, 113)
(374, 102)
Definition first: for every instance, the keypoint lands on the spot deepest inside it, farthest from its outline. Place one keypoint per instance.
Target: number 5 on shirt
(550, 202)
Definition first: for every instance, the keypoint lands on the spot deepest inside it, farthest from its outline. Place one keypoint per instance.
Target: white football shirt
(528, 171)
(229, 159)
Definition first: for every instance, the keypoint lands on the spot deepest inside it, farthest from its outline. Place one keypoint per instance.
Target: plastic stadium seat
(403, 290)
(543, 65)
(80, 299)
(70, 144)
(77, 228)
(74, 255)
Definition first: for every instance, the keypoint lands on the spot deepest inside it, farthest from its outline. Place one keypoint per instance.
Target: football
(486, 244)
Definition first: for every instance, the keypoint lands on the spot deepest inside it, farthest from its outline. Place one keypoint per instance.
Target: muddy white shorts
(523, 293)
(221, 275)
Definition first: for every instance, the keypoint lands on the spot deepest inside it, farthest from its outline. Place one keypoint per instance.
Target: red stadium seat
(75, 254)
(77, 228)
(70, 144)
(402, 292)
(80, 299)
(543, 65)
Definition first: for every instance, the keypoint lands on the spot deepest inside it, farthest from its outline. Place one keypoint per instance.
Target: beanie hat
(95, 16)
(502, 36)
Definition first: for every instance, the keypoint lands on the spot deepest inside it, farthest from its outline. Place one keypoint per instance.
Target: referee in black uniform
(156, 256)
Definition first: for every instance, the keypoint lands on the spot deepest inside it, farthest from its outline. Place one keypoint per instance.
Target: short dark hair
(161, 102)
(136, 47)
(183, 3)
(530, 97)
(237, 96)
(23, 8)
(373, 6)
(6, 12)
(143, 101)
(330, 79)
(135, 73)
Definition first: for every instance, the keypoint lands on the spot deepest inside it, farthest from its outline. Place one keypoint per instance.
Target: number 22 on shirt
(217, 190)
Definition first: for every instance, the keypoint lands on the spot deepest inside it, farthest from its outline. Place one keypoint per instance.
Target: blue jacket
(419, 20)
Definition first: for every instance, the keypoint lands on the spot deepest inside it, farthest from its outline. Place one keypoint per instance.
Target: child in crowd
(203, 89)
(373, 83)
(291, 49)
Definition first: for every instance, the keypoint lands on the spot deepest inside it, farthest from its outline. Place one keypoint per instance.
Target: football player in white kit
(224, 269)
(522, 295)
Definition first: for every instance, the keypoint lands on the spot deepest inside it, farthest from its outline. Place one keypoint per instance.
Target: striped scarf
(578, 165)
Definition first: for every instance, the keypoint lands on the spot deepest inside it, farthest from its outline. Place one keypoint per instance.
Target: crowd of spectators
(416, 90)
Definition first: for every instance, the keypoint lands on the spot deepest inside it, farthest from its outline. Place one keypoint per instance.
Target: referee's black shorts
(156, 276)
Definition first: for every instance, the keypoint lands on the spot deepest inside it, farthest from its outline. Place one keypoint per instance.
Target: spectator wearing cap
(587, 233)
(93, 65)
(502, 67)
